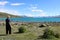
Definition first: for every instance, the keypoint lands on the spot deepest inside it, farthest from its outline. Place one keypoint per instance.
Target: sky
(31, 8)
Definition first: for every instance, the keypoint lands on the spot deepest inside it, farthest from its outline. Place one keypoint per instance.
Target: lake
(28, 19)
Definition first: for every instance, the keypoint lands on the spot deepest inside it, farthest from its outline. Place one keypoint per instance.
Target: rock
(43, 25)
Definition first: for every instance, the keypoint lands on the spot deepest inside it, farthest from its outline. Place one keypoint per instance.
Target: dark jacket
(8, 23)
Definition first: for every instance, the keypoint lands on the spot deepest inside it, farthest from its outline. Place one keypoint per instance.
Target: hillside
(2, 14)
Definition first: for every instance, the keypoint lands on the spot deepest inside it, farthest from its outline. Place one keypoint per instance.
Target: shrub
(22, 29)
(57, 35)
(48, 34)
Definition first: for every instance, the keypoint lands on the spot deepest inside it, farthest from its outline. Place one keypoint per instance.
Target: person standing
(8, 26)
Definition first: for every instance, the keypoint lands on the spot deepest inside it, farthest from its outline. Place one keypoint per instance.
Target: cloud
(28, 15)
(39, 13)
(13, 12)
(2, 3)
(34, 7)
(17, 4)
(35, 15)
(36, 10)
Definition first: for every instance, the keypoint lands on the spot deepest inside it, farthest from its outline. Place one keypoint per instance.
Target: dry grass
(33, 31)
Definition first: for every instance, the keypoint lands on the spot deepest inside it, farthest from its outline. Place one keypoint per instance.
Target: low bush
(22, 29)
(57, 35)
(49, 34)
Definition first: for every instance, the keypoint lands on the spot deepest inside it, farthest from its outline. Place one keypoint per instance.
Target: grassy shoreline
(33, 30)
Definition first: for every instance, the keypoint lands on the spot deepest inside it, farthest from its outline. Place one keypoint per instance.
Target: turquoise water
(26, 19)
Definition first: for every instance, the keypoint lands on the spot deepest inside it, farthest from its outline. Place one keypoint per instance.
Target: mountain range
(3, 14)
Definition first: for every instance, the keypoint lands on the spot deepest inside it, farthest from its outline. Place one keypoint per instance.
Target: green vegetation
(2, 14)
(34, 31)
(50, 34)
(57, 35)
(22, 30)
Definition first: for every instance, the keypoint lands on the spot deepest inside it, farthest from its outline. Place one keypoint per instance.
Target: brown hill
(2, 14)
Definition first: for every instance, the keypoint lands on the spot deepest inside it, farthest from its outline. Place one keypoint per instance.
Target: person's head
(8, 16)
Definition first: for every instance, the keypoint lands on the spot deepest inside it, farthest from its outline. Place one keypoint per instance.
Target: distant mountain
(58, 16)
(2, 14)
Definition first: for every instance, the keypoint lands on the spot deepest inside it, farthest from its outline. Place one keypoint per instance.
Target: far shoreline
(32, 22)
